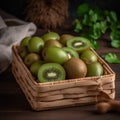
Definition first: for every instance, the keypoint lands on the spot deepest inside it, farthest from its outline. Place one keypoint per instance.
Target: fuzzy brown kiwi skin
(52, 43)
(75, 68)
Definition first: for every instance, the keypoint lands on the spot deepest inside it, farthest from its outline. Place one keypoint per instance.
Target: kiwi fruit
(35, 67)
(64, 38)
(71, 53)
(49, 72)
(75, 68)
(35, 44)
(94, 69)
(23, 51)
(24, 41)
(88, 56)
(78, 43)
(31, 58)
(50, 36)
(54, 54)
(52, 43)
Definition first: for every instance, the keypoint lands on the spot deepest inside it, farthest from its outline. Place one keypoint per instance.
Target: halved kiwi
(78, 43)
(49, 72)
(71, 52)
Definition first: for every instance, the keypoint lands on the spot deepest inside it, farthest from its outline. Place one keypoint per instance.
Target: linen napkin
(10, 35)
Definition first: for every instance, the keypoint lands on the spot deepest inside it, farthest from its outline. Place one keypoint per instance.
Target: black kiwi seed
(51, 72)
(78, 43)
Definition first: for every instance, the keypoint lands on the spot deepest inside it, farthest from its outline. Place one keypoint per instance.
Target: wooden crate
(64, 93)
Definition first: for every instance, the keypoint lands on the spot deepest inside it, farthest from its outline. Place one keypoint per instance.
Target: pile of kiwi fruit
(54, 57)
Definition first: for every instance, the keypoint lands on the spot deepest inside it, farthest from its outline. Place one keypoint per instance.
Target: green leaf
(95, 44)
(111, 58)
(115, 38)
(114, 26)
(96, 31)
(82, 9)
(115, 35)
(100, 14)
(86, 19)
(78, 25)
(93, 16)
(112, 17)
(103, 26)
(115, 43)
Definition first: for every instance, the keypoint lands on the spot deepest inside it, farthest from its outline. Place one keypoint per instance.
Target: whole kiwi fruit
(51, 42)
(88, 56)
(50, 36)
(75, 68)
(95, 69)
(55, 54)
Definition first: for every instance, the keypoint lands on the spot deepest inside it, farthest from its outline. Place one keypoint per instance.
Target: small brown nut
(103, 107)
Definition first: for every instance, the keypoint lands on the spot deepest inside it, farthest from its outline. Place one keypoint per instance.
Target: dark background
(17, 7)
(13, 104)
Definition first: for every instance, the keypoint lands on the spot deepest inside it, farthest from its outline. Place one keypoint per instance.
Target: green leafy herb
(111, 58)
(93, 16)
(94, 44)
(111, 17)
(115, 43)
(115, 38)
(82, 9)
(78, 26)
(94, 23)
(115, 35)
(96, 31)
(103, 26)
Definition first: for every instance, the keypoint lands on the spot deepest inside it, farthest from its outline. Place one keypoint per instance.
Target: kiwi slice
(78, 43)
(71, 52)
(51, 72)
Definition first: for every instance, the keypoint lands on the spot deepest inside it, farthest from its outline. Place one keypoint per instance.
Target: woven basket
(64, 93)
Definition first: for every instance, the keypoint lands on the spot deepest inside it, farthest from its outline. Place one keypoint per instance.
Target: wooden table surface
(14, 106)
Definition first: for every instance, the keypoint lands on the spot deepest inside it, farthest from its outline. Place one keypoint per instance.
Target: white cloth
(10, 35)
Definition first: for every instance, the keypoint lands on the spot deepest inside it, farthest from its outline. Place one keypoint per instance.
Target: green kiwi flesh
(51, 72)
(71, 52)
(78, 43)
